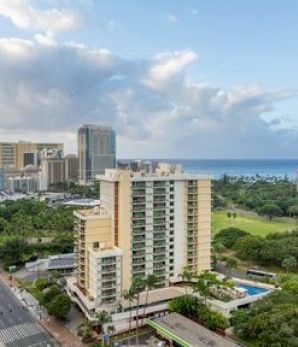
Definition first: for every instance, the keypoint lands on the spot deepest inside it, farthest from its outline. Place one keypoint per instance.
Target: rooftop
(157, 295)
(188, 333)
(95, 212)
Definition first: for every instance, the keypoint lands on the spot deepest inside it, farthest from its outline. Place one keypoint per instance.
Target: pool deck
(226, 308)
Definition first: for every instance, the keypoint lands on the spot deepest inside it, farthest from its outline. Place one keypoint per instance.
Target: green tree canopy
(229, 236)
(59, 306)
(270, 210)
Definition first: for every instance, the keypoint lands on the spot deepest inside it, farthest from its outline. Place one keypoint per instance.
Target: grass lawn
(253, 224)
(29, 286)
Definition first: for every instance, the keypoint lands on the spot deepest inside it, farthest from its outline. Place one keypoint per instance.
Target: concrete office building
(57, 169)
(147, 224)
(71, 167)
(20, 154)
(96, 151)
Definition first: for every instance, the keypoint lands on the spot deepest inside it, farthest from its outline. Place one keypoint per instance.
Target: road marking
(20, 331)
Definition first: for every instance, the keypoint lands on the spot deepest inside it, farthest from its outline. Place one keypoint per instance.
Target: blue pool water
(252, 290)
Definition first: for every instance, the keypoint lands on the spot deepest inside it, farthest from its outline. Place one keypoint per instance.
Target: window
(96, 244)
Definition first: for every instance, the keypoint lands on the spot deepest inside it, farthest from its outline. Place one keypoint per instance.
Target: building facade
(20, 154)
(96, 151)
(156, 224)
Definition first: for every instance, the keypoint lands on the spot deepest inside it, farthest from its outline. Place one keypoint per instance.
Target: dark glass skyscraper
(96, 151)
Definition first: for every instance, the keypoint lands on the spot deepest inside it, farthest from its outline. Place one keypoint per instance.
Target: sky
(205, 79)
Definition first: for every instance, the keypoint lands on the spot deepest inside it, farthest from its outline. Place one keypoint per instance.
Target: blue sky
(189, 79)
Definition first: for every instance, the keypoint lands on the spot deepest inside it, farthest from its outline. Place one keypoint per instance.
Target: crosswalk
(20, 331)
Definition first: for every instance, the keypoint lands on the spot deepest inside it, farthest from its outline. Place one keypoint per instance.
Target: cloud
(171, 18)
(47, 90)
(166, 66)
(50, 21)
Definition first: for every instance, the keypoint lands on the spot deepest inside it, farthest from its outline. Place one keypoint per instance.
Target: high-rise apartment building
(155, 223)
(96, 151)
(20, 154)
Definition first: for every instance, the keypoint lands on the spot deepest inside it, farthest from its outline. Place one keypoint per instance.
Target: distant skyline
(175, 79)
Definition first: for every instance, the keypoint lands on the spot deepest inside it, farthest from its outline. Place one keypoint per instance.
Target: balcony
(159, 221)
(139, 192)
(105, 278)
(109, 285)
(139, 208)
(138, 215)
(108, 268)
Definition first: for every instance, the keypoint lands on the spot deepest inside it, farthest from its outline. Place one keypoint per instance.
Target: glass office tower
(96, 151)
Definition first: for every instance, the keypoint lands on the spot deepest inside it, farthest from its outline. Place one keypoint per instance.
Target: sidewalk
(55, 327)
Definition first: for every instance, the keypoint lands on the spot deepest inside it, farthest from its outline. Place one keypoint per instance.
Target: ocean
(242, 167)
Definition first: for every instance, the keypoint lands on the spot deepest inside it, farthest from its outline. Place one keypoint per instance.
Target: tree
(289, 263)
(293, 211)
(187, 305)
(231, 263)
(229, 215)
(217, 247)
(138, 285)
(130, 296)
(51, 293)
(3, 225)
(229, 236)
(85, 331)
(271, 321)
(270, 210)
(102, 318)
(150, 283)
(13, 251)
(59, 306)
(204, 283)
(186, 277)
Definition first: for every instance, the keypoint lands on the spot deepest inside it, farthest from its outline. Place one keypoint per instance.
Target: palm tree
(204, 283)
(138, 285)
(150, 283)
(130, 296)
(186, 277)
(85, 331)
(102, 318)
(111, 329)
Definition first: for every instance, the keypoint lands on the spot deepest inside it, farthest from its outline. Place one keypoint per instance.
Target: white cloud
(166, 66)
(48, 90)
(50, 21)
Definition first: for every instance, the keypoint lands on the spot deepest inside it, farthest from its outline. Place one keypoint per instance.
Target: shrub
(41, 283)
(212, 319)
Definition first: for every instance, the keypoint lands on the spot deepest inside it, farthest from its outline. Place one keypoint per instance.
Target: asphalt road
(18, 327)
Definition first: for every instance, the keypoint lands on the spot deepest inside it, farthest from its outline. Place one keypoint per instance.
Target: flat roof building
(186, 333)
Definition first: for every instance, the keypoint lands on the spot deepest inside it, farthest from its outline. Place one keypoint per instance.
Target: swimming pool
(251, 290)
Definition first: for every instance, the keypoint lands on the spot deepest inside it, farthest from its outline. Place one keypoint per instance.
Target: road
(18, 327)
